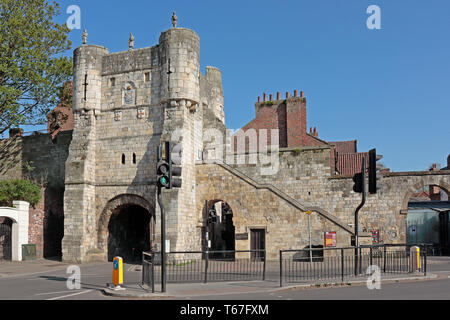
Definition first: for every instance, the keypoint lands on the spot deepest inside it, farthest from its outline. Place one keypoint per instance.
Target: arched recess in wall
(412, 190)
(427, 216)
(218, 233)
(121, 215)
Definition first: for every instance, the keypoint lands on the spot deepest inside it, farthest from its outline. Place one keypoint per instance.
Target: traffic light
(167, 170)
(162, 174)
(358, 180)
(174, 168)
(374, 171)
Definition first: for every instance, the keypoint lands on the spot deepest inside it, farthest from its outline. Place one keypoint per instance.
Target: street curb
(133, 294)
(341, 284)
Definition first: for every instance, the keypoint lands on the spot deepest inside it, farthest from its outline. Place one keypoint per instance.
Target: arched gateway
(126, 228)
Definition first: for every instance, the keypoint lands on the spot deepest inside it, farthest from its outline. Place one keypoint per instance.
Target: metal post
(342, 265)
(371, 262)
(363, 201)
(264, 266)
(425, 262)
(309, 229)
(206, 267)
(143, 269)
(163, 242)
(281, 268)
(384, 262)
(153, 272)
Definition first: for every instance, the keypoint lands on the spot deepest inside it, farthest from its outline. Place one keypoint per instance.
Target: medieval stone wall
(41, 159)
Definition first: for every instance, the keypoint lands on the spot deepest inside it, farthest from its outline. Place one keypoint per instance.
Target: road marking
(46, 293)
(70, 295)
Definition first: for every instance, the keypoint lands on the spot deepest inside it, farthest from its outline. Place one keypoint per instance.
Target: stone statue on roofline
(84, 36)
(174, 19)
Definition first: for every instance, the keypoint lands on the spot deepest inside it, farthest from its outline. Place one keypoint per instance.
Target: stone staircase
(281, 194)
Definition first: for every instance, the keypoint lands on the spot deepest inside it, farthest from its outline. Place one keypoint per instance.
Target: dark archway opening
(219, 233)
(129, 233)
(5, 238)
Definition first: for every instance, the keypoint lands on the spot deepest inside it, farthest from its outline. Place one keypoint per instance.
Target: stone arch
(120, 201)
(219, 227)
(19, 230)
(413, 189)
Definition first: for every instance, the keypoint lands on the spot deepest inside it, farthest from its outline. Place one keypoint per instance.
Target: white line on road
(69, 295)
(46, 293)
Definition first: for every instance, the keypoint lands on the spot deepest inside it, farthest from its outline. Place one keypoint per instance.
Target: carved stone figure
(174, 19)
(131, 41)
(84, 36)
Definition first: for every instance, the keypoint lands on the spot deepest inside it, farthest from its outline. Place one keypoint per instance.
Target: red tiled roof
(350, 163)
(345, 146)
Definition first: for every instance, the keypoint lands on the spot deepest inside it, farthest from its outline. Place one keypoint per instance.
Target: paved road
(51, 285)
(416, 290)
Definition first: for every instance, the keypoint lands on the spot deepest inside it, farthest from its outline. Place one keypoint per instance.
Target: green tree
(24, 190)
(32, 68)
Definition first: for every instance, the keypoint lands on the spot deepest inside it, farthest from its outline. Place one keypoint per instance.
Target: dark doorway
(5, 238)
(257, 242)
(444, 237)
(219, 232)
(129, 233)
(53, 234)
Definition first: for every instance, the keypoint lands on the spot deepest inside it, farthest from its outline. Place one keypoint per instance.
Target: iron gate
(5, 240)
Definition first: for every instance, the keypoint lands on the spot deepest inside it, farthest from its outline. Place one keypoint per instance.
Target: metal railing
(204, 266)
(339, 264)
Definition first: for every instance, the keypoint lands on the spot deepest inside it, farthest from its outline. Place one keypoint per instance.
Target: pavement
(39, 279)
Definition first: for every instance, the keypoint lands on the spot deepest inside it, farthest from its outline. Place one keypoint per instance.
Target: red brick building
(289, 116)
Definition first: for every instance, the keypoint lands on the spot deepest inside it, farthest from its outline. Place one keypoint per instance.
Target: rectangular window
(112, 82)
(147, 76)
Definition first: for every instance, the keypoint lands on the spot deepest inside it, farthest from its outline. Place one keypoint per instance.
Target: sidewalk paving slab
(225, 288)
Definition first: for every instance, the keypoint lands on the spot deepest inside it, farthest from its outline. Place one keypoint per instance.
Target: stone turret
(214, 79)
(80, 177)
(87, 77)
(180, 82)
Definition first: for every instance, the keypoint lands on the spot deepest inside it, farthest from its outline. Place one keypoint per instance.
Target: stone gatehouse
(100, 177)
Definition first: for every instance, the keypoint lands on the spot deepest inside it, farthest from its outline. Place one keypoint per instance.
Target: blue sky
(386, 88)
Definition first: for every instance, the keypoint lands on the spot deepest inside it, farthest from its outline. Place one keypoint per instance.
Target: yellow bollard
(418, 258)
(415, 259)
(117, 271)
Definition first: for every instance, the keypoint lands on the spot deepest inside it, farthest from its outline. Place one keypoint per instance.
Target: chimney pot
(295, 93)
(259, 99)
(265, 97)
(301, 94)
(278, 96)
(270, 97)
(288, 95)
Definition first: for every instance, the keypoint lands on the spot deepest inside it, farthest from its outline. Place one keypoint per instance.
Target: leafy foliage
(32, 70)
(23, 190)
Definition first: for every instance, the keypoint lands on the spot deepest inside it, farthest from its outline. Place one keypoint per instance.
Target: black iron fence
(204, 266)
(339, 264)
